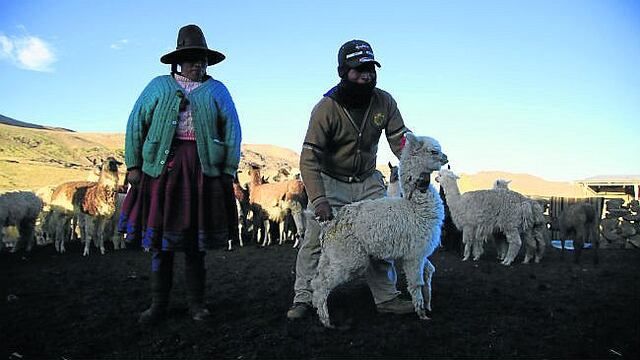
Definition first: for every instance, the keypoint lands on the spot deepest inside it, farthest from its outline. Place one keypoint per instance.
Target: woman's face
(194, 68)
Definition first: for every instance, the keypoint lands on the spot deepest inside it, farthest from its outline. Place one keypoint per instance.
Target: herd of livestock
(273, 211)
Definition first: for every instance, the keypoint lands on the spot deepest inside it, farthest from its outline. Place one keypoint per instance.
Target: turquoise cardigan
(156, 113)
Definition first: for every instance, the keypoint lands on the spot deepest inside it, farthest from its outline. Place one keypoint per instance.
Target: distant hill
(13, 122)
(523, 183)
(31, 158)
(34, 156)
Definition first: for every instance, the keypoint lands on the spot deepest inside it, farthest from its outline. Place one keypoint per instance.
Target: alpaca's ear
(410, 141)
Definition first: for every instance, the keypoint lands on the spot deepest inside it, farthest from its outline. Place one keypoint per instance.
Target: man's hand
(133, 176)
(323, 212)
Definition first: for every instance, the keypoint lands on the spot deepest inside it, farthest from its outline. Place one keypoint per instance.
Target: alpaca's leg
(426, 289)
(63, 233)
(29, 231)
(321, 289)
(241, 226)
(267, 232)
(283, 234)
(501, 247)
(467, 239)
(296, 239)
(59, 236)
(578, 243)
(529, 246)
(478, 247)
(333, 270)
(414, 271)
(85, 234)
(298, 219)
(595, 244)
(102, 234)
(540, 240)
(513, 239)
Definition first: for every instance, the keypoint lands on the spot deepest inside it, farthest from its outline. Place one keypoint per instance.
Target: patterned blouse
(185, 130)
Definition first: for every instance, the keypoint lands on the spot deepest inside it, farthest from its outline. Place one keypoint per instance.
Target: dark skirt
(182, 209)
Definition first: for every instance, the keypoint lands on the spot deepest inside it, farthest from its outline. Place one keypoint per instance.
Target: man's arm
(313, 152)
(395, 129)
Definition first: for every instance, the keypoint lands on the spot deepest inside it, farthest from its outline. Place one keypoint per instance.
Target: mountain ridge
(33, 157)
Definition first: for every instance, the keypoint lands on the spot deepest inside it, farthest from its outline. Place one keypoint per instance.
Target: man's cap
(355, 53)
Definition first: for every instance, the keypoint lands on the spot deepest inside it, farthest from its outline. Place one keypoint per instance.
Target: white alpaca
(534, 238)
(479, 214)
(20, 208)
(393, 228)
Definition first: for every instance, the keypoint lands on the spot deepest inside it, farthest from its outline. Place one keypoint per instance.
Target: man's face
(362, 74)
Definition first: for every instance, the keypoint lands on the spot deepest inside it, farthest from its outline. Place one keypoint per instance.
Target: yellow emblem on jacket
(378, 119)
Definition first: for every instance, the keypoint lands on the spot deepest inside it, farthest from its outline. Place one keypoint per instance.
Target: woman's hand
(133, 176)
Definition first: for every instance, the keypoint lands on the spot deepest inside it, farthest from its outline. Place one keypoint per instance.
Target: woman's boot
(195, 274)
(161, 280)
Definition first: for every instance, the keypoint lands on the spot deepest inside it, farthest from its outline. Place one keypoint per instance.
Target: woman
(182, 150)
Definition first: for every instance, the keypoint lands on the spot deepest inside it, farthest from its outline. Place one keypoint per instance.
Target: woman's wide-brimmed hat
(191, 41)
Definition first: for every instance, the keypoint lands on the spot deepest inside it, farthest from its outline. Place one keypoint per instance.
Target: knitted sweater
(154, 118)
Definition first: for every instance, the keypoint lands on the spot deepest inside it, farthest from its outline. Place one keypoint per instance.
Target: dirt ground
(68, 307)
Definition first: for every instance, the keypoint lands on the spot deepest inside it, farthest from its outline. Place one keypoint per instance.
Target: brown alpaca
(95, 206)
(270, 202)
(579, 222)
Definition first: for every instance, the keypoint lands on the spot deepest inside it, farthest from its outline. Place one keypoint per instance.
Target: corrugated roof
(631, 179)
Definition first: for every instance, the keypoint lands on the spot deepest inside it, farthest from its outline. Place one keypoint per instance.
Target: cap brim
(176, 56)
(355, 63)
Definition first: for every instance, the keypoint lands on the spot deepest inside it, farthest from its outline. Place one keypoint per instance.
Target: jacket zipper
(360, 131)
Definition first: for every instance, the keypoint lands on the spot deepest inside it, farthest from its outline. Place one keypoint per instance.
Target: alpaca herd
(405, 226)
(269, 211)
(272, 212)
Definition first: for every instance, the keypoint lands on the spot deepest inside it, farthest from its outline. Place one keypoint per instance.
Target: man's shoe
(298, 310)
(396, 306)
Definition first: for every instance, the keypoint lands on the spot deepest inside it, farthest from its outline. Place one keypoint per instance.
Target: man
(338, 166)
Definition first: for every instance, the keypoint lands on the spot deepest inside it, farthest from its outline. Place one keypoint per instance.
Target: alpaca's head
(109, 172)
(393, 173)
(501, 184)
(420, 156)
(448, 180)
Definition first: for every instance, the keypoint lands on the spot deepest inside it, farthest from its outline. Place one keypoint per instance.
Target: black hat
(353, 54)
(191, 40)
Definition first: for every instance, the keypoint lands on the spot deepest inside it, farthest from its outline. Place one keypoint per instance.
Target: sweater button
(166, 151)
(161, 162)
(174, 122)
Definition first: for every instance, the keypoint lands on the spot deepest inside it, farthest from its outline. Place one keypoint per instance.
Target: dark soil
(68, 307)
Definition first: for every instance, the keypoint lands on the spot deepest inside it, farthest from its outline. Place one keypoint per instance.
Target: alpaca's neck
(108, 180)
(394, 189)
(255, 179)
(452, 193)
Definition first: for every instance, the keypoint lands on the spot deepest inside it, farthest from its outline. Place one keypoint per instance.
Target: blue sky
(549, 88)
